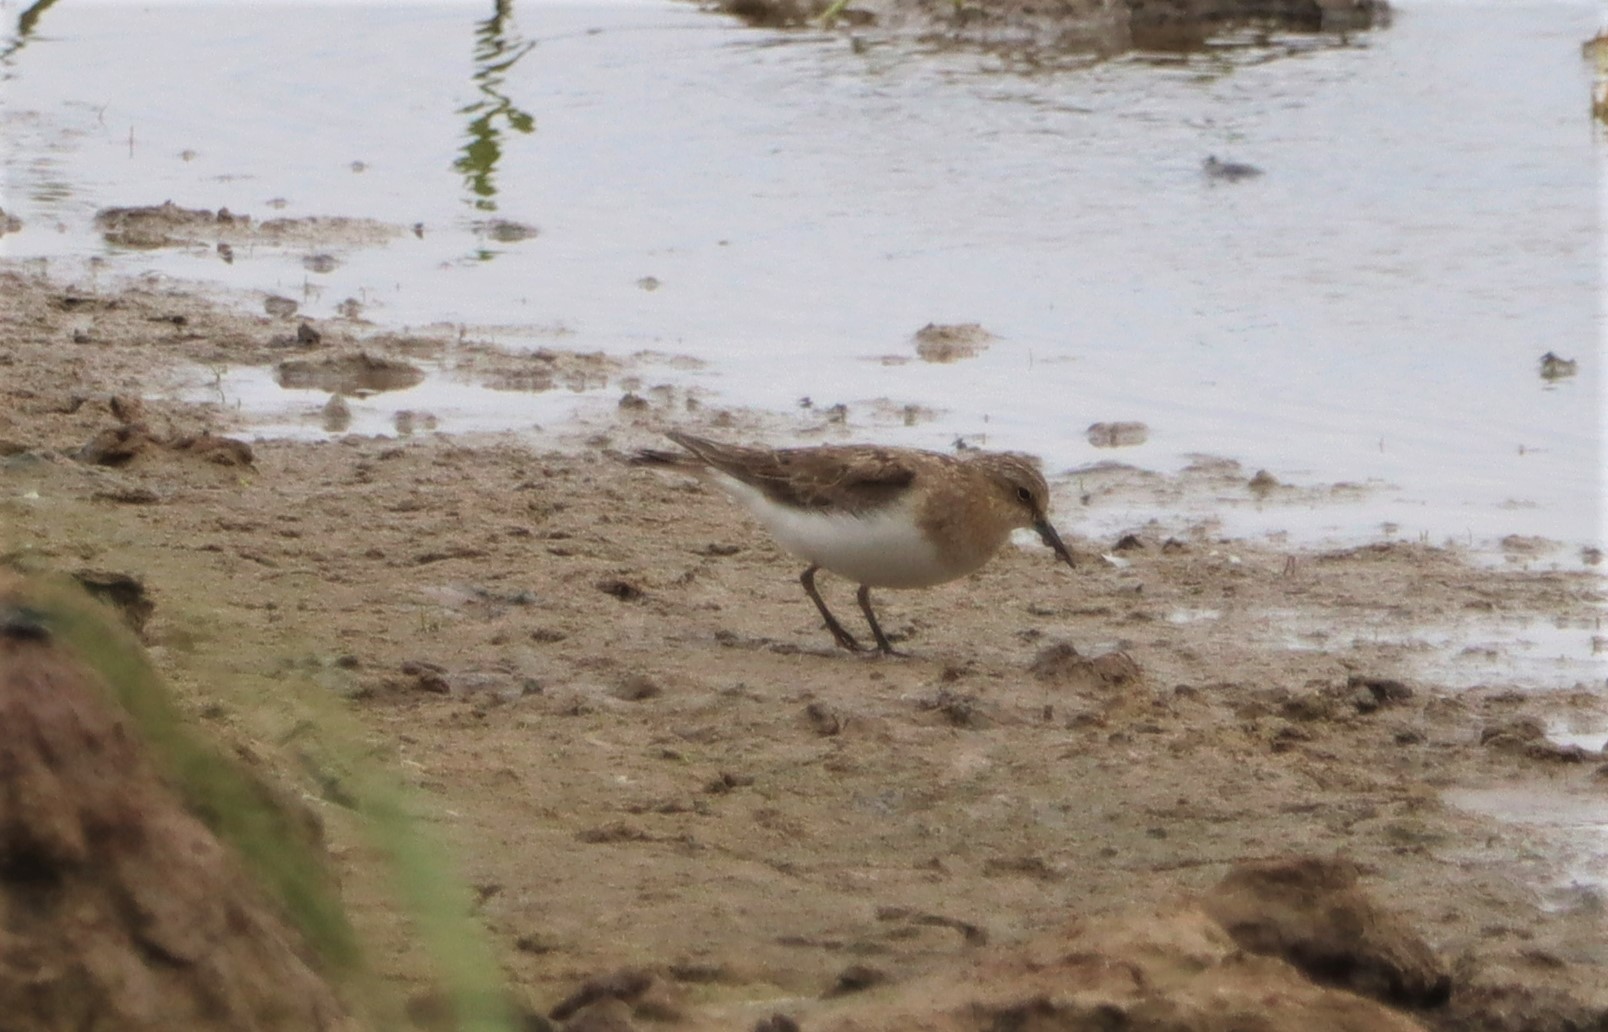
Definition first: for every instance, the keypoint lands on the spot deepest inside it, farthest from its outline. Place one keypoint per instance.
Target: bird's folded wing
(852, 480)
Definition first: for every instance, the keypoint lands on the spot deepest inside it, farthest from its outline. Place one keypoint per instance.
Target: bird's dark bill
(1053, 539)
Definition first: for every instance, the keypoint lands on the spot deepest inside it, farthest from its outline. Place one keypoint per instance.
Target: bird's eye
(1024, 495)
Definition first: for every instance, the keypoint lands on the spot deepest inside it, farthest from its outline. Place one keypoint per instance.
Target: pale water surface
(1371, 310)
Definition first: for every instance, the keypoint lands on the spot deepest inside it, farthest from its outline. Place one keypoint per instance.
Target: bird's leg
(883, 645)
(844, 638)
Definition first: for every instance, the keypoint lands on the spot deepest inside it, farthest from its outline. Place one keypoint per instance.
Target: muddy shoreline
(1038, 31)
(648, 756)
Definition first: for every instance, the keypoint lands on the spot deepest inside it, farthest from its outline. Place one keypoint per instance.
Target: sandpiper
(881, 517)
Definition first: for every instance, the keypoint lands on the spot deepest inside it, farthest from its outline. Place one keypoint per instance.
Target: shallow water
(1570, 830)
(444, 402)
(1522, 653)
(1372, 310)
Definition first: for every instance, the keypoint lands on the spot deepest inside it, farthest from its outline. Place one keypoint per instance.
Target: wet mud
(1185, 772)
(1069, 27)
(170, 225)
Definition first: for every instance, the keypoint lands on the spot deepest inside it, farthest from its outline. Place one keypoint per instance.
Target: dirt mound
(1272, 947)
(120, 445)
(1169, 970)
(121, 910)
(1311, 912)
(133, 437)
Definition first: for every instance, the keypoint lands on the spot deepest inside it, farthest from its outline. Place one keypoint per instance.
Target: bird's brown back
(851, 478)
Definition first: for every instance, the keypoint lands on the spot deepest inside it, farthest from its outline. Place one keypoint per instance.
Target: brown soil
(120, 909)
(651, 760)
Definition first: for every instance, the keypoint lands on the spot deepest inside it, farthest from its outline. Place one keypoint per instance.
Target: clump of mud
(1555, 368)
(506, 231)
(354, 374)
(163, 225)
(1312, 912)
(951, 342)
(150, 226)
(122, 910)
(133, 437)
(1117, 435)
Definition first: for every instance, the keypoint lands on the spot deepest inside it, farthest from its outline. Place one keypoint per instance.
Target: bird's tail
(663, 459)
(700, 454)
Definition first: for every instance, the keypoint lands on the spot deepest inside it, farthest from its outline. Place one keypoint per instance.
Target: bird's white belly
(885, 549)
